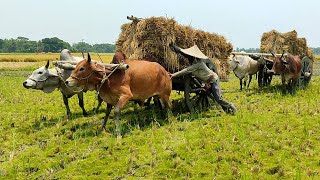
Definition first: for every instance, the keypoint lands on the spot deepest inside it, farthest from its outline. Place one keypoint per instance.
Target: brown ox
(119, 57)
(289, 68)
(143, 79)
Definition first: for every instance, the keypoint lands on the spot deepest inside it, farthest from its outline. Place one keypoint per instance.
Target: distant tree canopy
(24, 45)
(316, 50)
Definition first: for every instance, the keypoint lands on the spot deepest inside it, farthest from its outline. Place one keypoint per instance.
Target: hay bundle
(150, 38)
(289, 42)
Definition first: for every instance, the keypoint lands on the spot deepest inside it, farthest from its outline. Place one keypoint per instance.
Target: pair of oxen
(135, 80)
(287, 66)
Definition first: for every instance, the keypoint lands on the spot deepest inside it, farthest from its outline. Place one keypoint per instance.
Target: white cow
(244, 66)
(48, 80)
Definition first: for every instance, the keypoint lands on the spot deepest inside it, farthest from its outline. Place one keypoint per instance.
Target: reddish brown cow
(143, 79)
(289, 68)
(118, 57)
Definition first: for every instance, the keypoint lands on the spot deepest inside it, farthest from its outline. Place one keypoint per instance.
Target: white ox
(48, 80)
(244, 67)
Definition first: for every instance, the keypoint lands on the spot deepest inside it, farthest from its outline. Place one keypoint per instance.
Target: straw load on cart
(150, 38)
(276, 42)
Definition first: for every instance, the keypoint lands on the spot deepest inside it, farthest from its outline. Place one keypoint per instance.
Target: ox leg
(250, 78)
(98, 106)
(165, 99)
(66, 103)
(148, 102)
(293, 86)
(240, 84)
(80, 97)
(245, 82)
(283, 80)
(120, 104)
(108, 110)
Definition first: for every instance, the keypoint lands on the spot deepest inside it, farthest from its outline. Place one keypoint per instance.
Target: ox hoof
(85, 114)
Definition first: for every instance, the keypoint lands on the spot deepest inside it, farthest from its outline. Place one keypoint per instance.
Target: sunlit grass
(38, 57)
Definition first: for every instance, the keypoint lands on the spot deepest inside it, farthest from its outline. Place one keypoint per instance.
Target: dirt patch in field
(17, 65)
(316, 68)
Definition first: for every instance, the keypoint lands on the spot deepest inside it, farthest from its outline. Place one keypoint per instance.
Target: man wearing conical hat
(201, 71)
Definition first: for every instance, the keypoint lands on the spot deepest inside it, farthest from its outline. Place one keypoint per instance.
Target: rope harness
(104, 78)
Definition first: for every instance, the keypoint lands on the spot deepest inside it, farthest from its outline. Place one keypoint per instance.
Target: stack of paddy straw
(277, 42)
(149, 39)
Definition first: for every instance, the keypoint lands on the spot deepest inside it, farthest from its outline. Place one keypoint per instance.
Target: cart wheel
(306, 72)
(195, 97)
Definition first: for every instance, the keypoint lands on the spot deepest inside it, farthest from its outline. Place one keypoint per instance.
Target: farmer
(205, 74)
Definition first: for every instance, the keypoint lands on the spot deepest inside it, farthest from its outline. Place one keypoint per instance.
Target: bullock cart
(196, 97)
(265, 78)
(149, 39)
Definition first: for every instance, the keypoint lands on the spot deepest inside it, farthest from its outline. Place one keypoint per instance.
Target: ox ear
(47, 65)
(89, 58)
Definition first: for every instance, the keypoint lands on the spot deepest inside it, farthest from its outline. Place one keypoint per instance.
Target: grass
(272, 136)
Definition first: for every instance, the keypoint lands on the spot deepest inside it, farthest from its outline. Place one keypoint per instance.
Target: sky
(242, 22)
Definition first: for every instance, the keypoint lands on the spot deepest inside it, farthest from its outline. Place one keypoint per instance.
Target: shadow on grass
(132, 117)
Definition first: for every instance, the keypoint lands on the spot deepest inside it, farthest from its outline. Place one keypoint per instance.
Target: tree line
(25, 45)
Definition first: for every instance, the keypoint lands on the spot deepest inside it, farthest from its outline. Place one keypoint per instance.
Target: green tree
(82, 47)
(54, 44)
(103, 48)
(1, 44)
(9, 45)
(24, 45)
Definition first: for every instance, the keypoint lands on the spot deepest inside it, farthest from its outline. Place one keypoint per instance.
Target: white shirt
(200, 71)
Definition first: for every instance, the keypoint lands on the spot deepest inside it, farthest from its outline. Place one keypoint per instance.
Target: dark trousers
(217, 94)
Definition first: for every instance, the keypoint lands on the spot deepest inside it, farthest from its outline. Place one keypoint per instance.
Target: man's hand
(171, 75)
(207, 86)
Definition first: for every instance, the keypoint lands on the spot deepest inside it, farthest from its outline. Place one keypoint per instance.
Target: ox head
(86, 75)
(234, 63)
(42, 79)
(279, 64)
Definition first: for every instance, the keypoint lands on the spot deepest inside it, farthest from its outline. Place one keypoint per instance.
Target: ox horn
(272, 54)
(89, 58)
(282, 55)
(83, 55)
(47, 65)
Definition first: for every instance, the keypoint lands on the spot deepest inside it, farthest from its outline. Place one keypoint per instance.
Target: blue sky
(242, 22)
